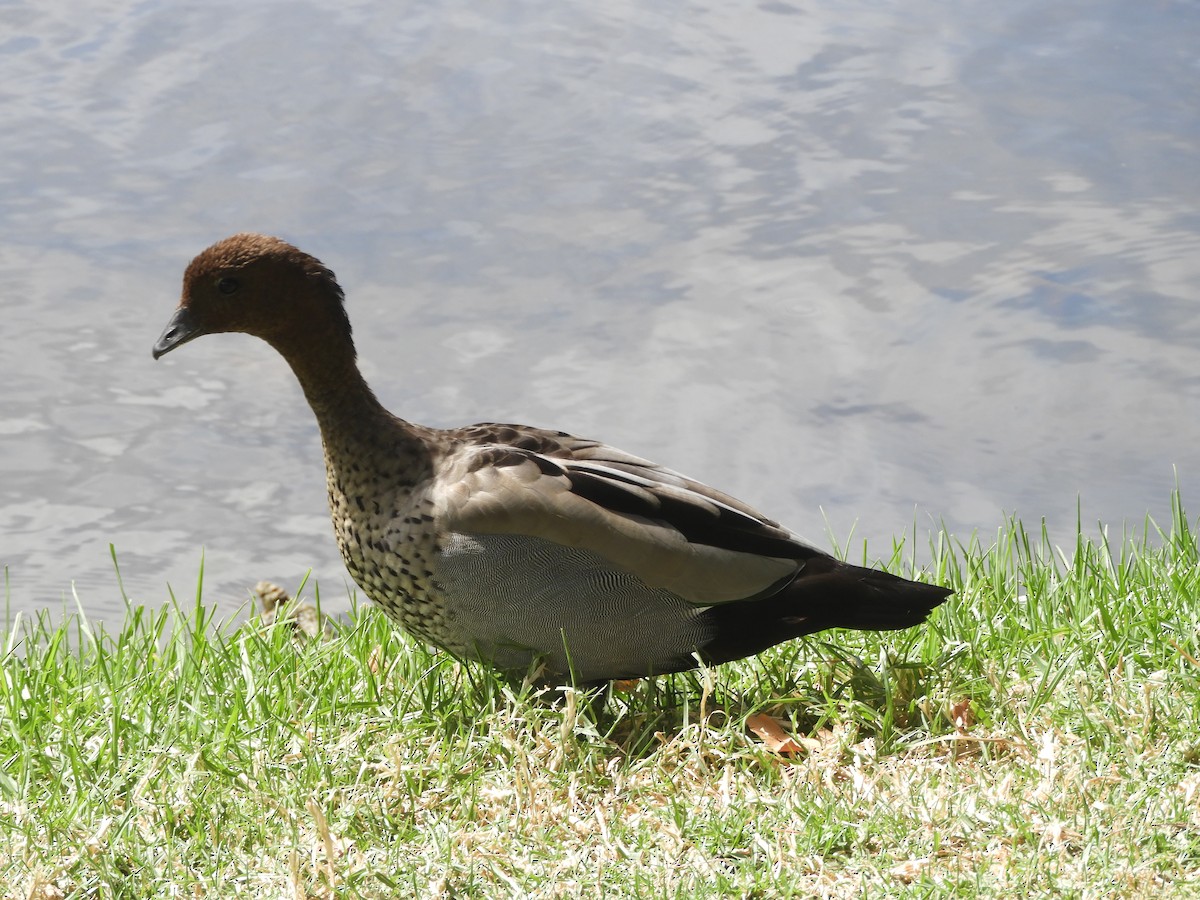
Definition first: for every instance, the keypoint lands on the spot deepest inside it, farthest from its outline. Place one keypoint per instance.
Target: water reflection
(852, 263)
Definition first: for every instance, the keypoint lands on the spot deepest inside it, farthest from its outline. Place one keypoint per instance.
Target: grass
(1041, 736)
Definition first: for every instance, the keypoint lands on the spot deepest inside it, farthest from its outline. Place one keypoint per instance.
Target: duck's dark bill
(181, 329)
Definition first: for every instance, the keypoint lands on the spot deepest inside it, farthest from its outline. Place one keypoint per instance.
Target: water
(863, 265)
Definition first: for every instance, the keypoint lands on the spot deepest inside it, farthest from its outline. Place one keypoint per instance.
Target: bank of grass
(1040, 737)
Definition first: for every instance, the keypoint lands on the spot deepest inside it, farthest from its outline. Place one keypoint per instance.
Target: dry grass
(1041, 737)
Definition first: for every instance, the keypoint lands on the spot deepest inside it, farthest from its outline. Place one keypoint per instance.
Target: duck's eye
(228, 285)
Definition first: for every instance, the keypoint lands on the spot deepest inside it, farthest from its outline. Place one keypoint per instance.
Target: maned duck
(526, 548)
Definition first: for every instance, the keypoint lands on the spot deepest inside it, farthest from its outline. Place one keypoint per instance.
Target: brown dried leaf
(771, 733)
(962, 715)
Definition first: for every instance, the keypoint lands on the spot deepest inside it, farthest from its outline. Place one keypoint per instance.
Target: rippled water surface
(860, 264)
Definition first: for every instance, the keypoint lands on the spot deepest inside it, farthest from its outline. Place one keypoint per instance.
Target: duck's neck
(352, 420)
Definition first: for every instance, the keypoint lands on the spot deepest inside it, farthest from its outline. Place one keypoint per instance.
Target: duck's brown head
(262, 286)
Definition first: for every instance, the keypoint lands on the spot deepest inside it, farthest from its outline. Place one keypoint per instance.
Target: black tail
(826, 594)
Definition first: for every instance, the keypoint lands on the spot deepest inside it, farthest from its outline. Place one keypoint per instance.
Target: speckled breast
(389, 545)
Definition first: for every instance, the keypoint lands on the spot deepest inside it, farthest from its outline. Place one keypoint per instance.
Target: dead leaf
(771, 733)
(962, 715)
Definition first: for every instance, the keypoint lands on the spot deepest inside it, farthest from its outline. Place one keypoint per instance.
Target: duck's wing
(670, 531)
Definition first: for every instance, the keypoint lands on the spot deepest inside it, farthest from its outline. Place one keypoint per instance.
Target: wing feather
(670, 531)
